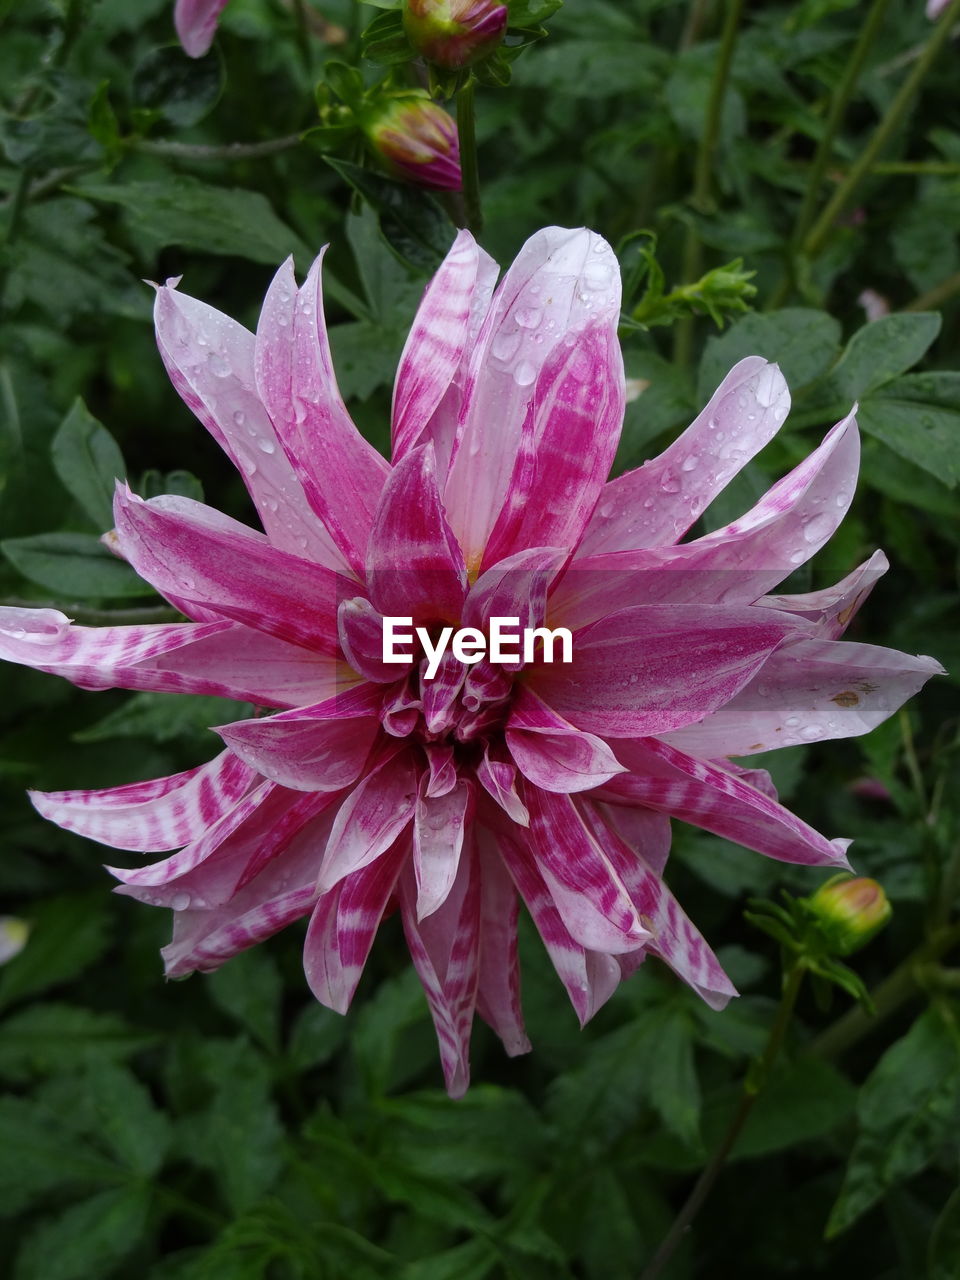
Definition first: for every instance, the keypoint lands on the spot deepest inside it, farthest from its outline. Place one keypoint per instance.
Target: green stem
(231, 151)
(752, 1087)
(936, 296)
(701, 196)
(838, 105)
(467, 136)
(895, 990)
(816, 238)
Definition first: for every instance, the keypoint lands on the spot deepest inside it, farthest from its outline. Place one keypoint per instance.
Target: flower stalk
(467, 136)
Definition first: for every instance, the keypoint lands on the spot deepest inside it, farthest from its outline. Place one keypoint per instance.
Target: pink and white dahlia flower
(370, 787)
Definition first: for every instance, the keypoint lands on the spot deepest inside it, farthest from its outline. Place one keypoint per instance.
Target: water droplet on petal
(690, 463)
(818, 527)
(239, 417)
(217, 365)
(768, 387)
(266, 446)
(504, 345)
(798, 557)
(528, 317)
(670, 484)
(791, 722)
(596, 275)
(811, 732)
(524, 373)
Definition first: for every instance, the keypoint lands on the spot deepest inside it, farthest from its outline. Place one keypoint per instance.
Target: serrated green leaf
(908, 1110)
(802, 341)
(86, 1240)
(415, 226)
(88, 461)
(877, 353)
(47, 1038)
(925, 433)
(76, 566)
(316, 1036)
(165, 717)
(249, 989)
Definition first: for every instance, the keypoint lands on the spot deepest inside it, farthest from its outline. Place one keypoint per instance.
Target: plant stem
(752, 1087)
(701, 196)
(467, 137)
(838, 105)
(230, 151)
(816, 238)
(936, 296)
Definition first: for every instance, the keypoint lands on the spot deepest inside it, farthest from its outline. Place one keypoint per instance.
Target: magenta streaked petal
(517, 587)
(569, 439)
(590, 977)
(498, 989)
(654, 668)
(445, 949)
(832, 609)
(498, 777)
(438, 834)
(589, 894)
(810, 690)
(441, 693)
(210, 360)
(436, 347)
(704, 794)
(373, 815)
(674, 938)
(341, 474)
(152, 816)
(655, 504)
(645, 831)
(360, 628)
(196, 24)
(551, 753)
(561, 283)
(443, 775)
(237, 575)
(318, 748)
(237, 933)
(415, 567)
(343, 926)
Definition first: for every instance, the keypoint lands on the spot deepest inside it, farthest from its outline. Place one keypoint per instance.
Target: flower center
(461, 703)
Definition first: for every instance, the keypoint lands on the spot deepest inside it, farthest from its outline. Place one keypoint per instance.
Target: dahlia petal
(341, 474)
(590, 896)
(196, 24)
(808, 691)
(148, 817)
(210, 360)
(238, 933)
(445, 949)
(441, 693)
(561, 283)
(517, 587)
(590, 977)
(415, 567)
(653, 668)
(675, 939)
(238, 575)
(569, 440)
(443, 776)
(498, 988)
(360, 628)
(373, 815)
(656, 503)
(435, 347)
(832, 609)
(704, 794)
(645, 831)
(499, 779)
(438, 833)
(551, 753)
(318, 748)
(343, 926)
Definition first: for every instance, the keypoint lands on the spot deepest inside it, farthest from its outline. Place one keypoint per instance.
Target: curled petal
(551, 753)
(370, 819)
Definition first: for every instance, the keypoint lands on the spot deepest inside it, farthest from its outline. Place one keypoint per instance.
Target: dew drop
(596, 275)
(217, 365)
(524, 373)
(690, 463)
(817, 527)
(648, 503)
(247, 464)
(842, 498)
(768, 387)
(266, 446)
(712, 425)
(528, 317)
(798, 557)
(670, 484)
(271, 503)
(791, 722)
(811, 732)
(605, 510)
(504, 345)
(180, 901)
(239, 417)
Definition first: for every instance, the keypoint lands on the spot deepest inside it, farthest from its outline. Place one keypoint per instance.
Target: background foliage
(228, 1128)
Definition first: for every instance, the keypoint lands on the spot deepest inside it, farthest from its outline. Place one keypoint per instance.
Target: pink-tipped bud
(849, 912)
(417, 140)
(196, 24)
(454, 33)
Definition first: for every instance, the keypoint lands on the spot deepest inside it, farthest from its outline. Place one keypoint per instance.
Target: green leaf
(88, 461)
(179, 89)
(44, 1039)
(67, 935)
(249, 989)
(592, 68)
(317, 1035)
(196, 215)
(924, 431)
(164, 717)
(73, 565)
(877, 353)
(802, 341)
(88, 1239)
(365, 356)
(124, 1119)
(908, 1112)
(415, 226)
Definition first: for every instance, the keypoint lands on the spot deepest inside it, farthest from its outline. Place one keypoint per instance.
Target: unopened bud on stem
(849, 912)
(454, 33)
(417, 140)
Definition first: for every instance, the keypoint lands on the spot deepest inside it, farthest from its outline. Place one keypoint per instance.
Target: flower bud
(196, 24)
(454, 33)
(417, 140)
(849, 912)
(13, 937)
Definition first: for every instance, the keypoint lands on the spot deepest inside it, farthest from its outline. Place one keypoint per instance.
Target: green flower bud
(849, 912)
(416, 140)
